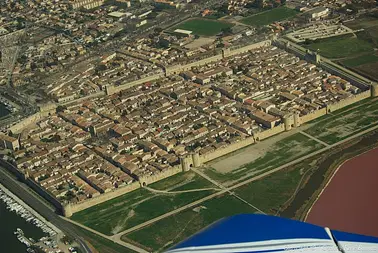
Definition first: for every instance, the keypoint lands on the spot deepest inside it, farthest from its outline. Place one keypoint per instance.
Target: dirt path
(177, 192)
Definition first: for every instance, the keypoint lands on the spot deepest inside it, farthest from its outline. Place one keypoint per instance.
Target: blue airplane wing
(262, 233)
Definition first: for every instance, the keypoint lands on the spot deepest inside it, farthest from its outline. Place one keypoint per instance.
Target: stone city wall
(179, 68)
(114, 89)
(101, 198)
(313, 115)
(154, 178)
(244, 49)
(45, 194)
(18, 127)
(348, 101)
(226, 150)
(269, 133)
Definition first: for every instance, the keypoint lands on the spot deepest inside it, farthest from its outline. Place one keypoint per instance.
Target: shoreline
(31, 210)
(330, 180)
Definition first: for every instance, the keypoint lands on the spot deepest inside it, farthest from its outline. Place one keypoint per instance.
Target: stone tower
(288, 120)
(196, 160)
(67, 210)
(374, 90)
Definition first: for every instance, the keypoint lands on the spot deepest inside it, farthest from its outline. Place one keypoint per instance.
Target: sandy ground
(247, 155)
(199, 43)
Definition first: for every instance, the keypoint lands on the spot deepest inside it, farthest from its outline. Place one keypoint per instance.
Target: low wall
(348, 101)
(314, 115)
(104, 197)
(226, 150)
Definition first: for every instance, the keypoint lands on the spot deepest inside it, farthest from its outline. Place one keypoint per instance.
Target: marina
(23, 228)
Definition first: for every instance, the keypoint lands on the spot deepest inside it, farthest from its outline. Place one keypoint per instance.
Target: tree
(227, 30)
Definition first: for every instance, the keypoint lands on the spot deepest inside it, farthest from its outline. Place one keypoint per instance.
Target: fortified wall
(111, 89)
(179, 68)
(348, 101)
(314, 115)
(18, 127)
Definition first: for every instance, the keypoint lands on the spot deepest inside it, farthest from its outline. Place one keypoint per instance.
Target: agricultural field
(346, 123)
(270, 16)
(173, 229)
(204, 27)
(261, 157)
(341, 47)
(139, 206)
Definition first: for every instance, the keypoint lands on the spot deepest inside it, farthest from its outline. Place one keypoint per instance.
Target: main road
(37, 204)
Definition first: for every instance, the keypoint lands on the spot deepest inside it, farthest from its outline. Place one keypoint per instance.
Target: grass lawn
(133, 208)
(346, 123)
(182, 181)
(271, 192)
(101, 244)
(281, 152)
(360, 60)
(178, 227)
(341, 47)
(268, 17)
(206, 27)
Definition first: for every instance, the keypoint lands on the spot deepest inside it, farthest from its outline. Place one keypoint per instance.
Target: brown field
(349, 203)
(369, 70)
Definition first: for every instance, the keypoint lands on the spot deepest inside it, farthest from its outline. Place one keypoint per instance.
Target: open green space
(181, 182)
(340, 47)
(268, 17)
(133, 208)
(200, 26)
(102, 244)
(173, 229)
(283, 151)
(360, 60)
(346, 123)
(270, 193)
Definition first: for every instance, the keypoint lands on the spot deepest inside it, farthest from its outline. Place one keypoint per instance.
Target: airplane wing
(270, 234)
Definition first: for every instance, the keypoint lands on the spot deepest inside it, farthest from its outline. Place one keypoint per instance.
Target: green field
(101, 244)
(205, 27)
(271, 192)
(360, 60)
(182, 181)
(268, 17)
(345, 123)
(133, 208)
(283, 151)
(341, 47)
(176, 228)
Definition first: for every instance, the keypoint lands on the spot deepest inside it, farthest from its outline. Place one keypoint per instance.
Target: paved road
(176, 192)
(14, 186)
(125, 244)
(195, 203)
